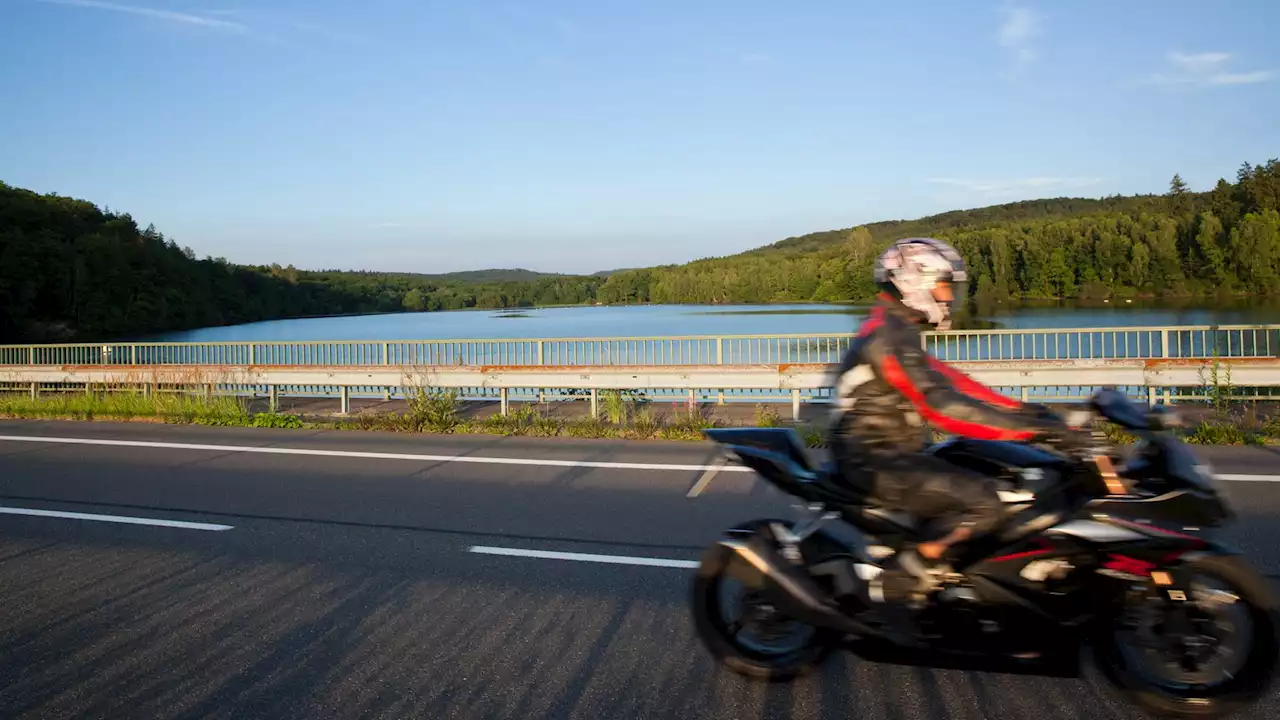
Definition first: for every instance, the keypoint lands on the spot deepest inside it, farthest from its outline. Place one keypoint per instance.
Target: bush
(1212, 432)
(590, 428)
(275, 420)
(1272, 428)
(523, 421)
(645, 426)
(767, 417)
(432, 409)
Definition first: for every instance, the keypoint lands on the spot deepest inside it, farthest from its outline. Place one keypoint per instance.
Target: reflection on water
(668, 321)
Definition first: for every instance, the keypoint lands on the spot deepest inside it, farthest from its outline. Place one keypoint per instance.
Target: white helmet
(912, 267)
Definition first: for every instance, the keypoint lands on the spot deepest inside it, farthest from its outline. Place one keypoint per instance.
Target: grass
(132, 405)
(438, 411)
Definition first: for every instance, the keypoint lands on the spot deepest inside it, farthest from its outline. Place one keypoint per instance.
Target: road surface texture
(184, 572)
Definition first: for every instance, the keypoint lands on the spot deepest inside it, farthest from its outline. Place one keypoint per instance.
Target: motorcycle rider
(889, 392)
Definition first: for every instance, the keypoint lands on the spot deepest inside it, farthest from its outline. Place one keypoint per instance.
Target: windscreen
(1114, 406)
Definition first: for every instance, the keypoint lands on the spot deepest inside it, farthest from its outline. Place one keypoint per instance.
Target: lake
(669, 320)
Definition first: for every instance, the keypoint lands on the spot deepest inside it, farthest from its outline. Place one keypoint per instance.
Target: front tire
(1245, 674)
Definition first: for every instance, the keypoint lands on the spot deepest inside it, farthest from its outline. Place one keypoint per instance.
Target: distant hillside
(1226, 240)
(1021, 211)
(487, 276)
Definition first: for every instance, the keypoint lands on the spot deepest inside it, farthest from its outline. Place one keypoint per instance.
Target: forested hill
(1021, 211)
(69, 270)
(1226, 240)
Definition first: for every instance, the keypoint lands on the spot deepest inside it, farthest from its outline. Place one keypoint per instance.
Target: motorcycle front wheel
(1217, 656)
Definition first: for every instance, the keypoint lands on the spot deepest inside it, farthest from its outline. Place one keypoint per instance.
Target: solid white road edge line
(369, 455)
(114, 519)
(479, 460)
(585, 557)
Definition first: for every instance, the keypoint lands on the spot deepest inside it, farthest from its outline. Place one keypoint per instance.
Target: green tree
(415, 300)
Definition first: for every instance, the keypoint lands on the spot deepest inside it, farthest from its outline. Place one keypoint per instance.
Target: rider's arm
(906, 368)
(974, 389)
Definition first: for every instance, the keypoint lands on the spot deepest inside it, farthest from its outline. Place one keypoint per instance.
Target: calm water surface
(660, 320)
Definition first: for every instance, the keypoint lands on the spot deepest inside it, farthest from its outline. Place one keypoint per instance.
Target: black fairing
(783, 441)
(1184, 508)
(994, 458)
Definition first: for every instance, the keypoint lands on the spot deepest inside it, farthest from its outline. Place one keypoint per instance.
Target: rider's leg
(930, 488)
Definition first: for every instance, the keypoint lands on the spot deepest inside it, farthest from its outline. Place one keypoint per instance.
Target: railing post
(1164, 343)
(1025, 395)
(719, 351)
(595, 404)
(35, 391)
(133, 354)
(31, 355)
(504, 401)
(542, 359)
(252, 359)
(795, 405)
(344, 403)
(1151, 396)
(386, 353)
(273, 397)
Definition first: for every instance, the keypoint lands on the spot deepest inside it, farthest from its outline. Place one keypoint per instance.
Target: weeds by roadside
(123, 405)
(435, 411)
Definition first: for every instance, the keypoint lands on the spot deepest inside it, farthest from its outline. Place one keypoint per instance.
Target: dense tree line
(69, 270)
(1226, 240)
(72, 271)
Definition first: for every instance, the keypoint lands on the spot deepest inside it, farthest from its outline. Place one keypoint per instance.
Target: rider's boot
(900, 591)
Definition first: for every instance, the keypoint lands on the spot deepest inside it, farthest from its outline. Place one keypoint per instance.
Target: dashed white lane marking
(585, 557)
(114, 519)
(371, 455)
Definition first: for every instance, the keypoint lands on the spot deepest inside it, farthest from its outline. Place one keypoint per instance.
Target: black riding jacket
(889, 391)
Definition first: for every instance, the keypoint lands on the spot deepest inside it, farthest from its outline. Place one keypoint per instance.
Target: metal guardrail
(1155, 379)
(1190, 342)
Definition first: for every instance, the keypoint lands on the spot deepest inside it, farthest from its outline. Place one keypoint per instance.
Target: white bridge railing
(1134, 343)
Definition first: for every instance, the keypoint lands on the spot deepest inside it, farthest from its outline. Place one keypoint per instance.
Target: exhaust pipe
(755, 561)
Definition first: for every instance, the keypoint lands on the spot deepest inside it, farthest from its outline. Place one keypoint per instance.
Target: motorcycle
(1120, 559)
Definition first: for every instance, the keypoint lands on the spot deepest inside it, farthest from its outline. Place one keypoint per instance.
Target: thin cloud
(1206, 69)
(995, 188)
(233, 21)
(1018, 32)
(169, 15)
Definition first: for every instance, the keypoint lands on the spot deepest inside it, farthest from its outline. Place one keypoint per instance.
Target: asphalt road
(340, 581)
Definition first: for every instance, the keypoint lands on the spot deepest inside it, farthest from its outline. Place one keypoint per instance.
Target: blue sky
(434, 135)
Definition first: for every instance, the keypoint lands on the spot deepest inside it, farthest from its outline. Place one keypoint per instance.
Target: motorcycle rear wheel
(723, 637)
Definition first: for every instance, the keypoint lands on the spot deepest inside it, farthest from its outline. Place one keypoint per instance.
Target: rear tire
(1246, 686)
(713, 628)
